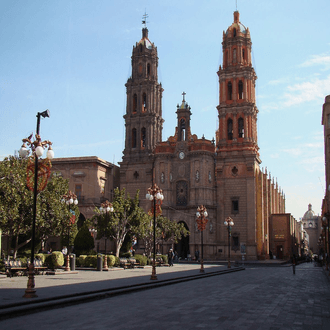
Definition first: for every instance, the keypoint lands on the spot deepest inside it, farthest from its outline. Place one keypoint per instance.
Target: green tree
(126, 216)
(166, 230)
(83, 242)
(16, 204)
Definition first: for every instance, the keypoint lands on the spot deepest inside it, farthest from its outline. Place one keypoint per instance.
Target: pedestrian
(170, 256)
(197, 255)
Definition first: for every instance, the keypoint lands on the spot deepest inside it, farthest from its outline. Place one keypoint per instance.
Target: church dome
(237, 26)
(309, 214)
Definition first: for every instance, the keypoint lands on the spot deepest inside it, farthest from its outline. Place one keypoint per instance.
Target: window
(78, 190)
(240, 89)
(182, 130)
(181, 193)
(230, 90)
(230, 129)
(134, 138)
(148, 70)
(143, 138)
(240, 127)
(102, 186)
(234, 206)
(235, 242)
(144, 102)
(243, 53)
(162, 177)
(134, 103)
(234, 32)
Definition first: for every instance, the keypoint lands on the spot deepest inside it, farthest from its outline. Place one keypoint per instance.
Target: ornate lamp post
(229, 223)
(34, 172)
(201, 220)
(155, 194)
(106, 208)
(69, 199)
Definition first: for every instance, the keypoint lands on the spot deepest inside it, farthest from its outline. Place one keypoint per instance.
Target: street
(257, 298)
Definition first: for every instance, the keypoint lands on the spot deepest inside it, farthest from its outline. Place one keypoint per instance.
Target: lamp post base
(105, 265)
(30, 292)
(67, 263)
(153, 273)
(202, 267)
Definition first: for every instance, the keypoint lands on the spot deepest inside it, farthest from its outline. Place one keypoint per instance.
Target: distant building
(312, 224)
(326, 201)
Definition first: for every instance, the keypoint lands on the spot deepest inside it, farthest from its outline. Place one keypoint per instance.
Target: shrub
(117, 261)
(111, 260)
(165, 258)
(91, 261)
(143, 260)
(81, 260)
(55, 260)
(125, 255)
(40, 256)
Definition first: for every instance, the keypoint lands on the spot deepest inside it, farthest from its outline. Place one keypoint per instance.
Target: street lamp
(69, 200)
(229, 223)
(37, 147)
(155, 194)
(201, 220)
(106, 208)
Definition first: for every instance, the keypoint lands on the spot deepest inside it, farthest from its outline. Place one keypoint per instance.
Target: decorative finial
(183, 94)
(144, 19)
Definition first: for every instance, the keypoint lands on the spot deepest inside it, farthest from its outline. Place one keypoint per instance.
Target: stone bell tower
(143, 118)
(237, 142)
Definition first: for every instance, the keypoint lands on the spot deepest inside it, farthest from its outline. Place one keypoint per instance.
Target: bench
(14, 267)
(133, 262)
(123, 262)
(38, 266)
(159, 261)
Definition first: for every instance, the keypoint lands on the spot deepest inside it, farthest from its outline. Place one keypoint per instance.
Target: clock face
(181, 155)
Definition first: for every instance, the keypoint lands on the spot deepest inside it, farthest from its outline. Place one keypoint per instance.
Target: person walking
(170, 256)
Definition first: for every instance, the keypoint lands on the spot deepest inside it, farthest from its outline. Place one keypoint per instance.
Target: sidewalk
(86, 285)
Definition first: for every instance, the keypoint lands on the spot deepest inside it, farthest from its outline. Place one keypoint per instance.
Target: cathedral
(224, 174)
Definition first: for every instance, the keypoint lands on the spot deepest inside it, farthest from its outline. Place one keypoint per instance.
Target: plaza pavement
(256, 298)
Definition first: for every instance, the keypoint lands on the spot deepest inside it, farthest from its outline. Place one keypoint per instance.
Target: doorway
(182, 247)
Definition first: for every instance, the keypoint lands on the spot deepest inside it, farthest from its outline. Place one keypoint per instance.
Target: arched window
(144, 102)
(240, 127)
(234, 32)
(143, 138)
(134, 138)
(182, 130)
(230, 90)
(134, 103)
(243, 54)
(230, 129)
(240, 89)
(148, 70)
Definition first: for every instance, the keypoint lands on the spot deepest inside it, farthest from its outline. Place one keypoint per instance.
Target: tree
(83, 242)
(126, 215)
(16, 203)
(166, 230)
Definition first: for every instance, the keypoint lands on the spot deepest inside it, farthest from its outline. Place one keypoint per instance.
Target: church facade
(223, 175)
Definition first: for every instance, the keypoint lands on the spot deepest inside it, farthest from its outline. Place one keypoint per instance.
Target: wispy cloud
(306, 91)
(322, 59)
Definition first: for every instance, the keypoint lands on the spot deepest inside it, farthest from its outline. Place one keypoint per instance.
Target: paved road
(257, 298)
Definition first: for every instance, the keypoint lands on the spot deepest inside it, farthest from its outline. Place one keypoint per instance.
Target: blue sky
(73, 58)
